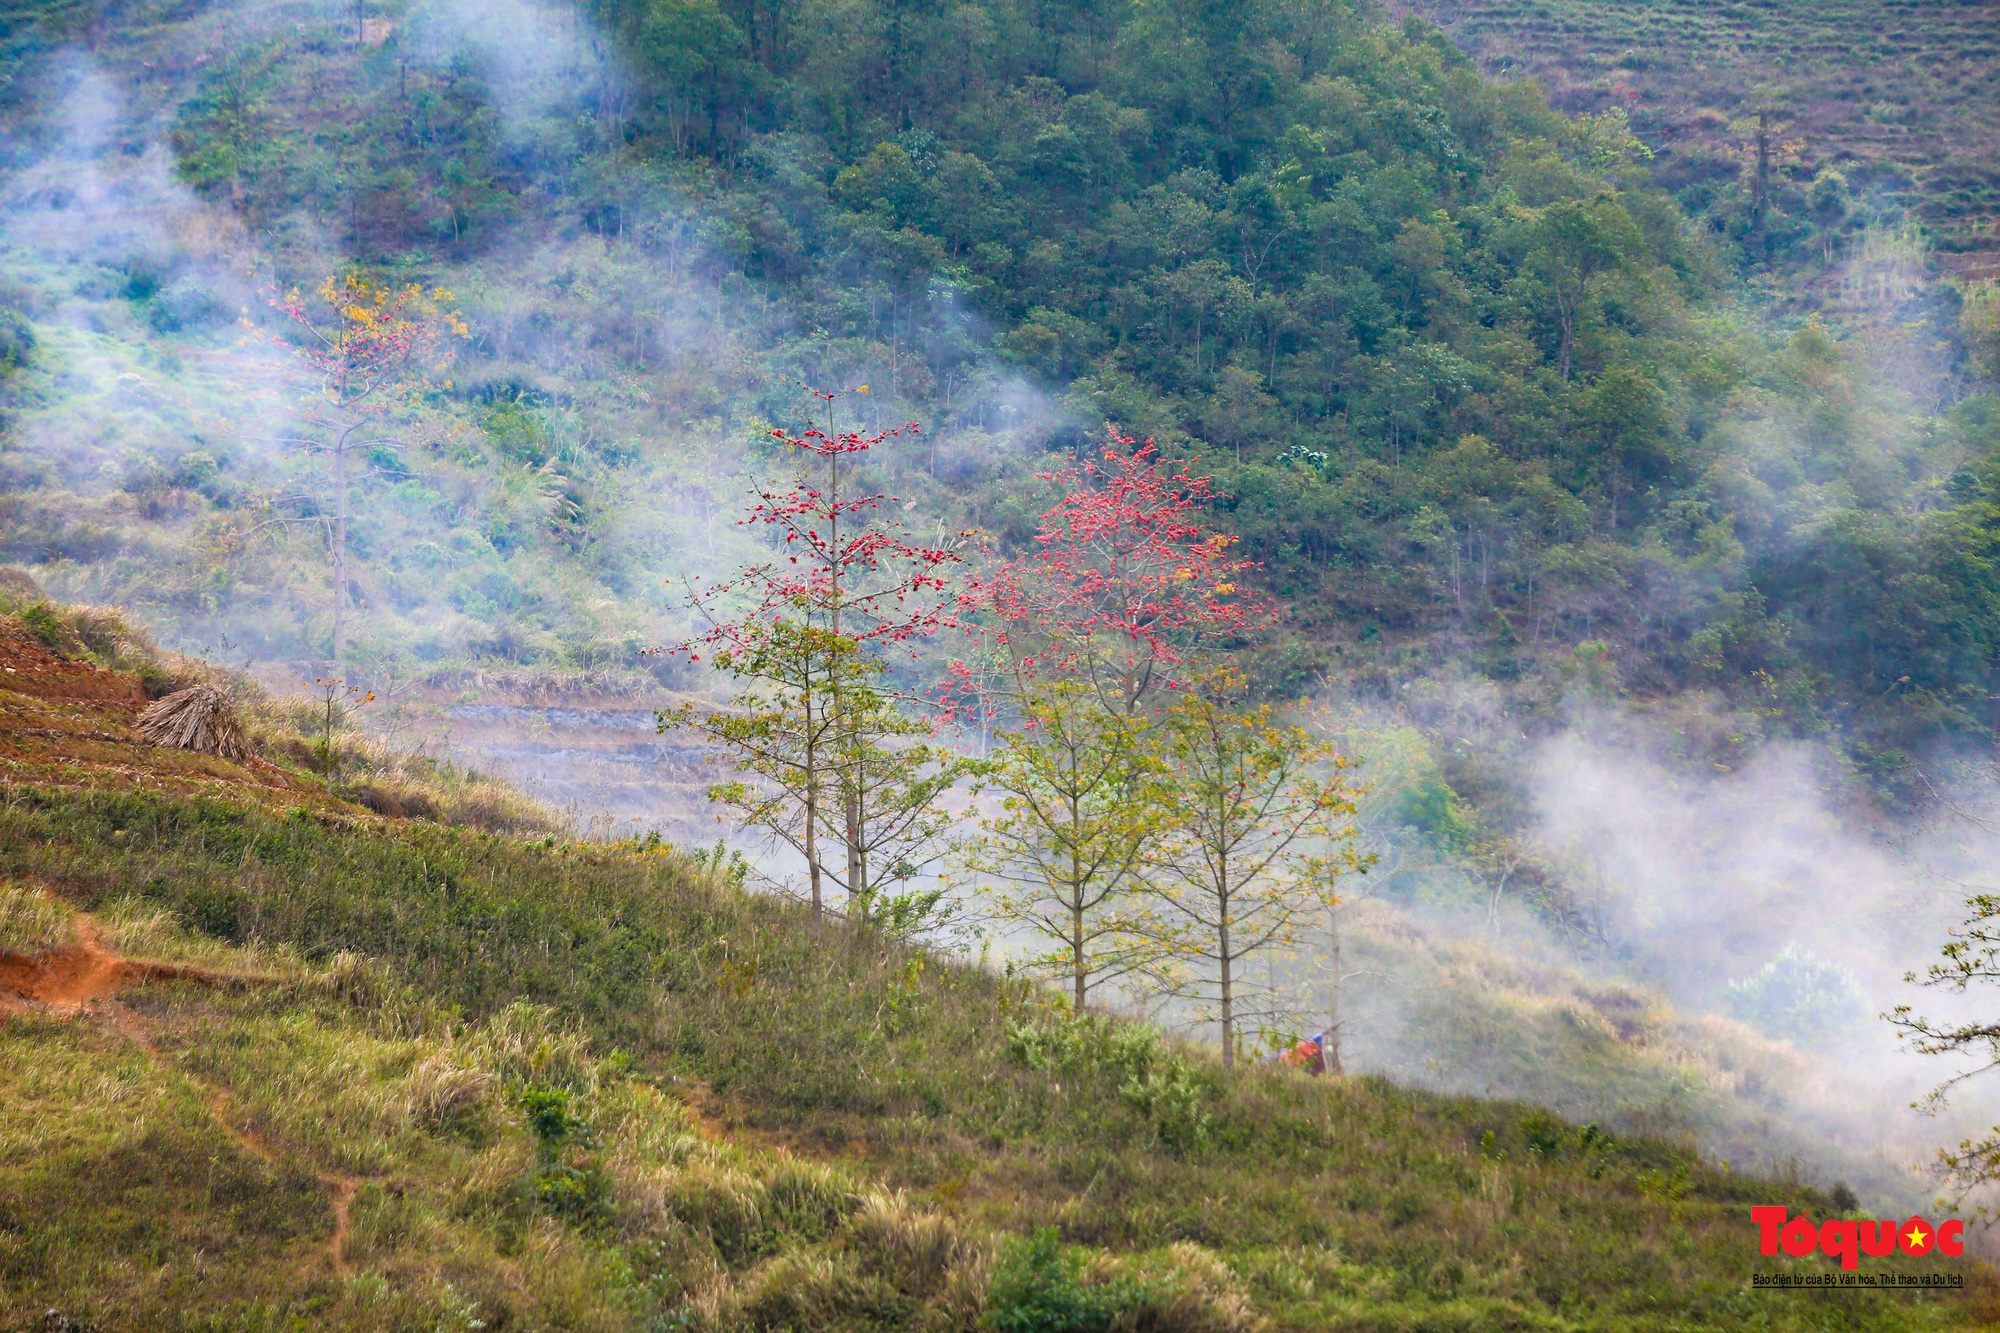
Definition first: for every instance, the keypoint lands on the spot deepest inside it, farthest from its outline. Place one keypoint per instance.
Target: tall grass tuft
(32, 922)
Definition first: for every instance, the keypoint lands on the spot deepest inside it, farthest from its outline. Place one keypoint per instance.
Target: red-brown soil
(28, 666)
(69, 724)
(79, 973)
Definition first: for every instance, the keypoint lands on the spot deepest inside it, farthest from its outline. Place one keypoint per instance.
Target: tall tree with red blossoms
(1122, 595)
(825, 753)
(1125, 588)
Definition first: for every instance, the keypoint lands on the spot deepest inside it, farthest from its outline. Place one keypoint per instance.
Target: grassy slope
(742, 1123)
(1901, 90)
(1441, 1011)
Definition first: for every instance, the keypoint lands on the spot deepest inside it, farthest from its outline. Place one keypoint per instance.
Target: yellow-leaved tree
(1256, 839)
(359, 357)
(1067, 849)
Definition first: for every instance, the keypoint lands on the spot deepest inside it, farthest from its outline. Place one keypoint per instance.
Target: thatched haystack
(198, 718)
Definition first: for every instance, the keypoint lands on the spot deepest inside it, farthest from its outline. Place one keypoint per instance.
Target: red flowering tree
(359, 354)
(825, 753)
(1123, 591)
(1125, 586)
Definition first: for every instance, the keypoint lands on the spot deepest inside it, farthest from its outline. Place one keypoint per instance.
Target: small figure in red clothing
(1308, 1055)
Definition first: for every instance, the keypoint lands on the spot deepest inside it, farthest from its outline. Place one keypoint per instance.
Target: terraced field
(1899, 95)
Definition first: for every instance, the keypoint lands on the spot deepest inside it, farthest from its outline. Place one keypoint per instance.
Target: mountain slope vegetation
(1505, 429)
(370, 1073)
(1478, 389)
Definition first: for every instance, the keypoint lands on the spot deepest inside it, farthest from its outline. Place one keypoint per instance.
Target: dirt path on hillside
(87, 975)
(340, 1189)
(76, 974)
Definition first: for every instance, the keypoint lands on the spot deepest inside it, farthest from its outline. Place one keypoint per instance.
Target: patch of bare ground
(28, 666)
(78, 974)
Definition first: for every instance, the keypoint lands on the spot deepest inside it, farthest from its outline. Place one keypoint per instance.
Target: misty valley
(1073, 665)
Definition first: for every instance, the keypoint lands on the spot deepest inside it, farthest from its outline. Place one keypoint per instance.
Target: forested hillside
(1584, 542)
(1475, 387)
(1508, 438)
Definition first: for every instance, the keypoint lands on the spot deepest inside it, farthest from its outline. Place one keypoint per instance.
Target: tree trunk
(861, 871)
(1227, 989)
(812, 813)
(1076, 949)
(857, 900)
(1078, 890)
(1330, 1049)
(340, 551)
(857, 869)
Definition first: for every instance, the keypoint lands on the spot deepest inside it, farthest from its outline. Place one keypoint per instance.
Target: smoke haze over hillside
(600, 437)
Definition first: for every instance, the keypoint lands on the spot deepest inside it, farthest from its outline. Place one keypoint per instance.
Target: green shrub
(550, 1114)
(1801, 998)
(42, 621)
(1039, 1287)
(570, 1181)
(578, 1191)
(1172, 1099)
(1150, 1079)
